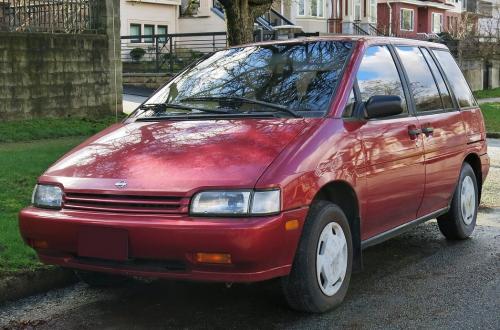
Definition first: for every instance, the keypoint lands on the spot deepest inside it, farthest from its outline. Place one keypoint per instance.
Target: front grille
(126, 203)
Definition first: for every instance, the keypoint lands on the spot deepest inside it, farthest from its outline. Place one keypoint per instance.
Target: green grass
(20, 166)
(491, 112)
(487, 93)
(30, 130)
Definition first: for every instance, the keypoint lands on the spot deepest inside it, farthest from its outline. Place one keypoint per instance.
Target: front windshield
(290, 79)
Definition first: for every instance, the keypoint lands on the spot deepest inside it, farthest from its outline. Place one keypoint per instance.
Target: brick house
(418, 18)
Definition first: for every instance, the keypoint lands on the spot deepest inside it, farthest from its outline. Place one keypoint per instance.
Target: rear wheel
(321, 270)
(100, 280)
(460, 221)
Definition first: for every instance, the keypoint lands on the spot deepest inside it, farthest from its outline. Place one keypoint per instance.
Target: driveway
(417, 280)
(131, 102)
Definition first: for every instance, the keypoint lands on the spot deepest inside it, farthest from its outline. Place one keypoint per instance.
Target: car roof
(368, 40)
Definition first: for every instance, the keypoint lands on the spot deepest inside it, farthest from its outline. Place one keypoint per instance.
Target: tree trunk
(239, 23)
(240, 18)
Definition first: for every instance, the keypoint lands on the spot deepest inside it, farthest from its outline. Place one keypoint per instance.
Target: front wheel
(460, 221)
(322, 267)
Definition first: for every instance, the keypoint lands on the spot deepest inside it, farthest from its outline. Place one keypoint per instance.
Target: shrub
(137, 54)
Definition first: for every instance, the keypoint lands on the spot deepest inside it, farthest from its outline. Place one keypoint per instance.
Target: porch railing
(358, 30)
(375, 31)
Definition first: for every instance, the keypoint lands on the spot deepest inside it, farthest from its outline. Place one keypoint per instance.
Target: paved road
(418, 280)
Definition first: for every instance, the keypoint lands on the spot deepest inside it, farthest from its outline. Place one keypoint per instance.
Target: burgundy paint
(395, 177)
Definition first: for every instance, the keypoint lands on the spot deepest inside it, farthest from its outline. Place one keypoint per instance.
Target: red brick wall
(451, 20)
(426, 20)
(383, 18)
(421, 21)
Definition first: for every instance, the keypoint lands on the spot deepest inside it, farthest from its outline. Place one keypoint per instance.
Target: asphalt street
(418, 280)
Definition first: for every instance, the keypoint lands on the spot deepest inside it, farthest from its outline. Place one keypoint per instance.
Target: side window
(422, 85)
(349, 107)
(443, 89)
(149, 30)
(378, 75)
(455, 77)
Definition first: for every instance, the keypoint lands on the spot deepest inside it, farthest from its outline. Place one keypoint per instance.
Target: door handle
(428, 130)
(414, 132)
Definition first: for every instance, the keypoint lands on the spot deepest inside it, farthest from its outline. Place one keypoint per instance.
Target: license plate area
(103, 243)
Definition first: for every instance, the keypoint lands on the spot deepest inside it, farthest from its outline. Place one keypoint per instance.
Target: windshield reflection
(299, 76)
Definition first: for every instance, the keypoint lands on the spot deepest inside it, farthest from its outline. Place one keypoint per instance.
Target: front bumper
(164, 246)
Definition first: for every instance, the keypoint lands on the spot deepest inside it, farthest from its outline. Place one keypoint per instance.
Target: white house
(144, 17)
(173, 16)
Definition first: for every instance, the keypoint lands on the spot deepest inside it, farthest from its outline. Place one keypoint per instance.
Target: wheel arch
(343, 195)
(475, 162)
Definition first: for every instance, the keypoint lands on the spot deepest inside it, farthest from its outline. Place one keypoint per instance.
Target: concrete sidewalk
(490, 100)
(133, 97)
(131, 102)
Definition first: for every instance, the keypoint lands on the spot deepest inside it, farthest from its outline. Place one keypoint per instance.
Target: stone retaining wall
(61, 75)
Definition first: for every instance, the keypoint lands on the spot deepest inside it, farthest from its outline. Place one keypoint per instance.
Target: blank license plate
(103, 243)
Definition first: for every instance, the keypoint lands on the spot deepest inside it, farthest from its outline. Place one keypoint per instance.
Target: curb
(28, 283)
(493, 135)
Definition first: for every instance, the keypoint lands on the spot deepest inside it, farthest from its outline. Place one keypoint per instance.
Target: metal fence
(167, 52)
(55, 16)
(171, 53)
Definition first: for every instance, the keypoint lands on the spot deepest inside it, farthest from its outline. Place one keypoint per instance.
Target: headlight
(242, 202)
(48, 197)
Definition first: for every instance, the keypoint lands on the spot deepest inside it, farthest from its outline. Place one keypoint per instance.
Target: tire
(100, 280)
(460, 221)
(306, 288)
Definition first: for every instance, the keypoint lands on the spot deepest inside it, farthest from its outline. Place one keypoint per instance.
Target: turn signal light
(213, 258)
(39, 244)
(292, 225)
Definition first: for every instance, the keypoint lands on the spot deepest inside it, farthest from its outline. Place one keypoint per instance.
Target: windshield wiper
(162, 107)
(236, 99)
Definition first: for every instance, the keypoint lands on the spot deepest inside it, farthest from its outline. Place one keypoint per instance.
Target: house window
(162, 29)
(149, 30)
(135, 30)
(373, 10)
(357, 10)
(301, 8)
(312, 8)
(437, 23)
(407, 19)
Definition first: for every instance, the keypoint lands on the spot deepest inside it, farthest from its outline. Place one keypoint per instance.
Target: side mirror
(379, 106)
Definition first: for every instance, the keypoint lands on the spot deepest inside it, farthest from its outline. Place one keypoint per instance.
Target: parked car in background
(280, 159)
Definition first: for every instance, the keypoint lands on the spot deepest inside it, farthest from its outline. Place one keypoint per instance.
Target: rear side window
(422, 84)
(445, 93)
(378, 75)
(455, 77)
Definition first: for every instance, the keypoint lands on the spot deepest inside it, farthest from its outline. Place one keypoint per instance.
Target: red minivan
(279, 159)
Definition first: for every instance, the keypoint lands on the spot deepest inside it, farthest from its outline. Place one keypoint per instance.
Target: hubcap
(331, 259)
(468, 200)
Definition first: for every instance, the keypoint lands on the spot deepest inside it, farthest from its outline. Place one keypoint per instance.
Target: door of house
(335, 22)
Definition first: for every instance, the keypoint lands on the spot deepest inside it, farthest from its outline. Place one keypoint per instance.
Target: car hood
(176, 156)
